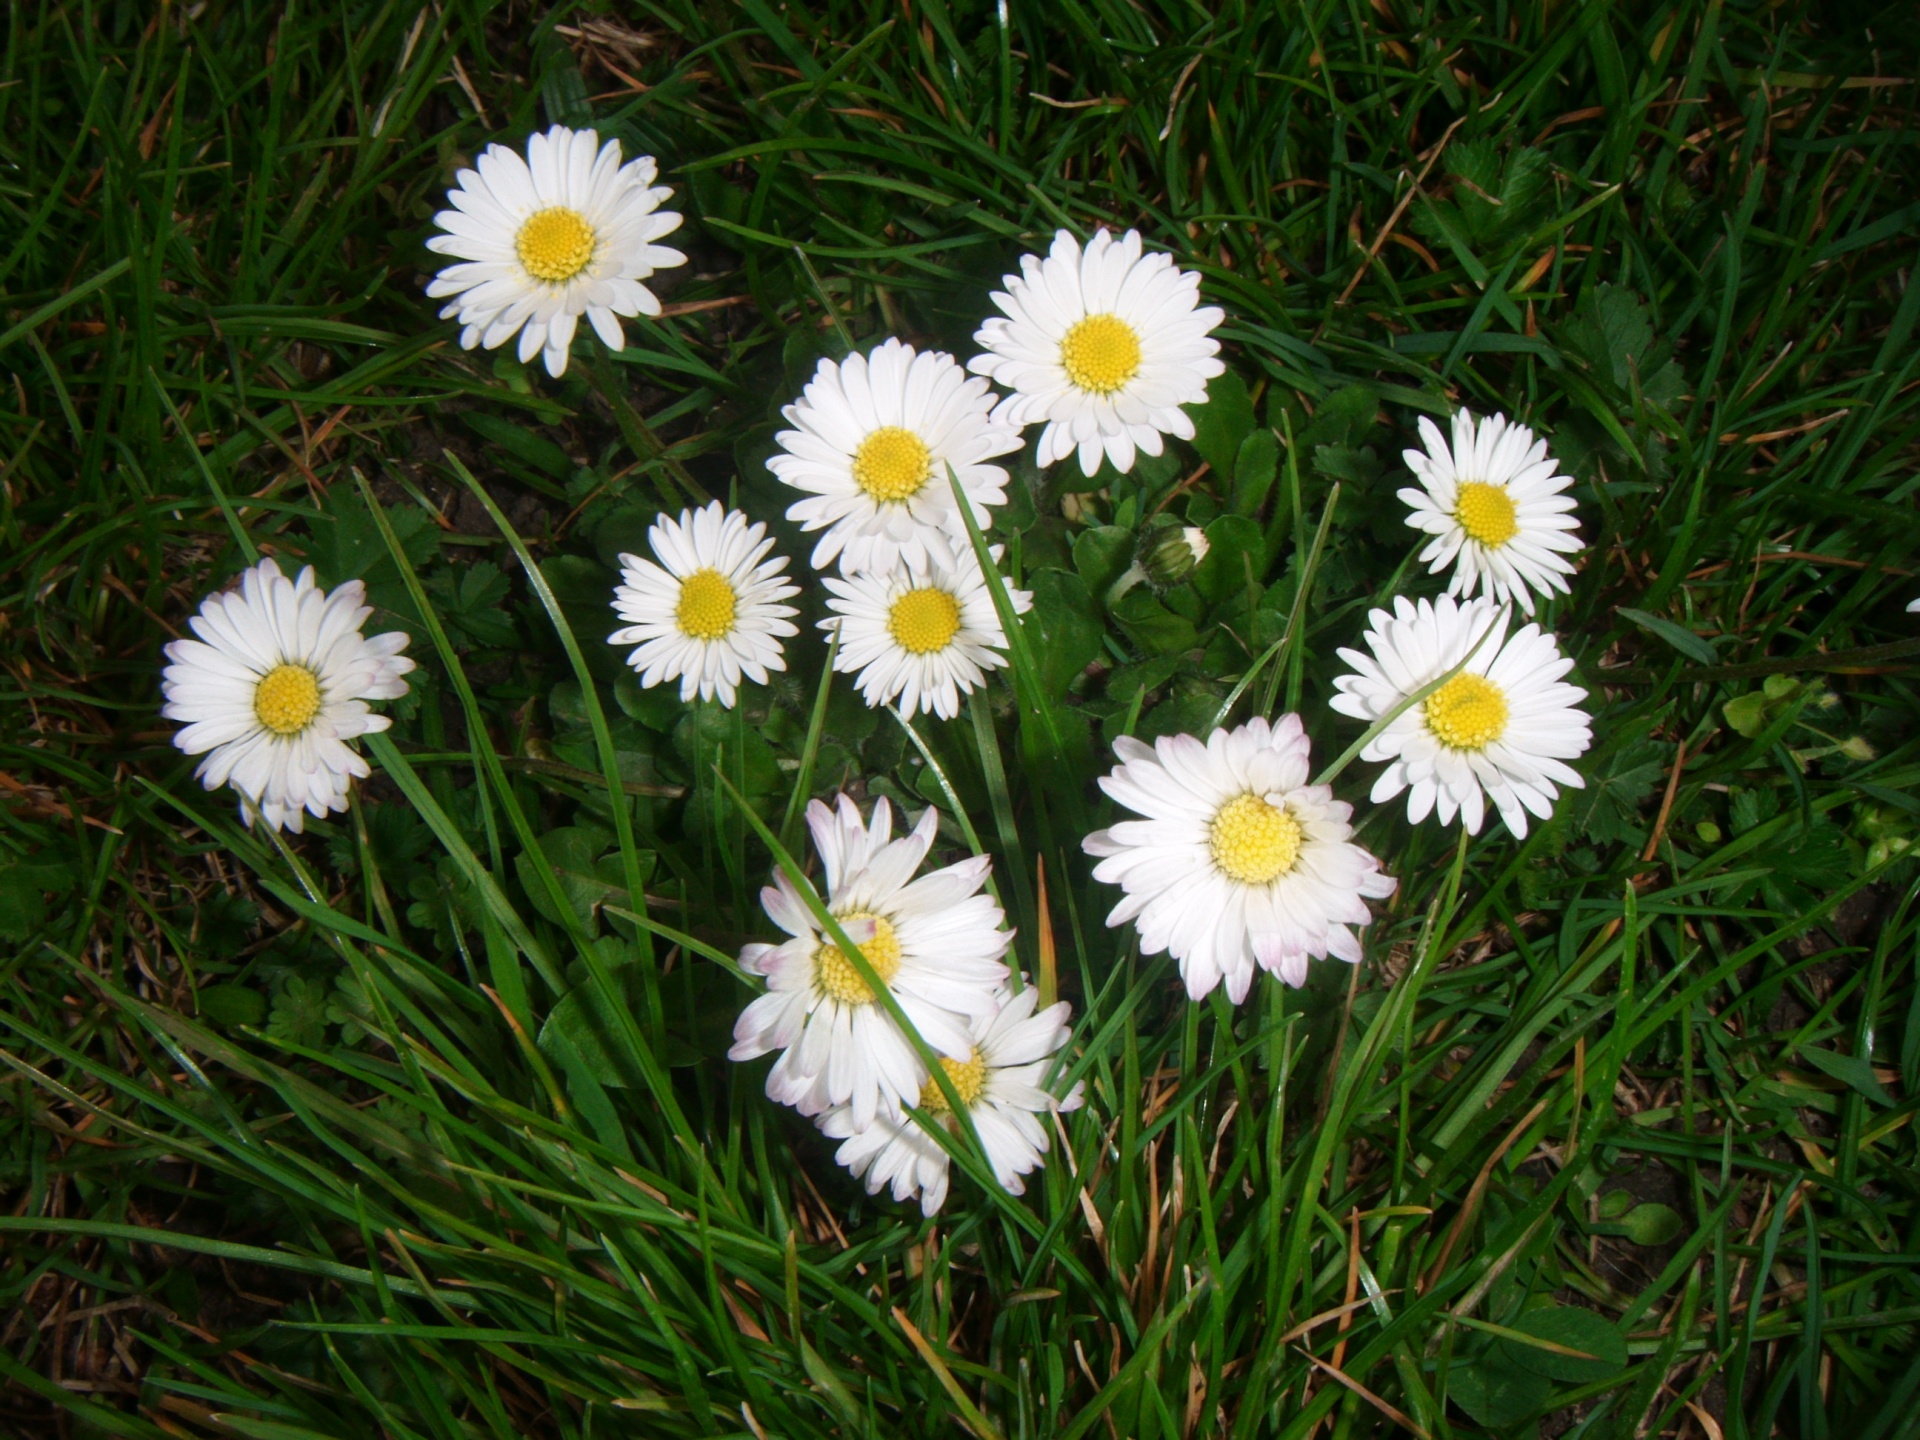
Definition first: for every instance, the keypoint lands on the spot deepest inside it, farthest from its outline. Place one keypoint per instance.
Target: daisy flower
(1239, 862)
(709, 611)
(935, 943)
(1499, 730)
(925, 632)
(1104, 345)
(566, 232)
(1496, 508)
(1003, 1084)
(872, 439)
(276, 686)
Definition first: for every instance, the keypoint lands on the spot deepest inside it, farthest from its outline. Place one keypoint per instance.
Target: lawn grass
(407, 1128)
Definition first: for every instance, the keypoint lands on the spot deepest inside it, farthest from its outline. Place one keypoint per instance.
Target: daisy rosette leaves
(540, 240)
(873, 439)
(709, 611)
(1003, 1084)
(1102, 345)
(1497, 508)
(923, 634)
(275, 688)
(1237, 862)
(935, 943)
(1500, 730)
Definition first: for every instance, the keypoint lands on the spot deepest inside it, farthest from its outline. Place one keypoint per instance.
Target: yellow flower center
(969, 1078)
(834, 973)
(1486, 513)
(707, 605)
(892, 464)
(287, 698)
(1254, 842)
(1467, 713)
(1101, 353)
(924, 620)
(555, 244)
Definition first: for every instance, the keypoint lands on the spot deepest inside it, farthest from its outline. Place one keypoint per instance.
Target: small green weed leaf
(1222, 425)
(1101, 555)
(578, 855)
(517, 440)
(1152, 626)
(1654, 1224)
(1576, 1329)
(1068, 626)
(23, 889)
(1608, 809)
(1349, 464)
(231, 1005)
(1495, 1393)
(1254, 471)
(1612, 331)
(707, 733)
(1747, 714)
(1855, 1071)
(299, 1012)
(1236, 554)
(1615, 1204)
(1678, 636)
(1344, 418)
(472, 603)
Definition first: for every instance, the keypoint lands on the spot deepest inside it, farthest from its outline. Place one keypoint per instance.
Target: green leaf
(1679, 637)
(1495, 1393)
(1253, 472)
(536, 450)
(23, 888)
(1855, 1071)
(231, 1005)
(1602, 1345)
(1653, 1224)
(590, 877)
(1222, 425)
(1344, 418)
(299, 1012)
(1236, 551)
(347, 544)
(1101, 555)
(1068, 627)
(1152, 626)
(1747, 714)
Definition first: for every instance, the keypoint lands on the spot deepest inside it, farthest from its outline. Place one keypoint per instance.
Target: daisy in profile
(276, 686)
(1496, 507)
(872, 439)
(567, 231)
(935, 943)
(710, 611)
(1500, 730)
(924, 633)
(1003, 1084)
(1104, 345)
(1238, 861)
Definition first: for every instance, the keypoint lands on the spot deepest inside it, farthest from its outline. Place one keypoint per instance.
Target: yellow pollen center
(287, 698)
(892, 464)
(555, 244)
(924, 620)
(969, 1078)
(1101, 353)
(834, 973)
(707, 605)
(1467, 713)
(1254, 842)
(1486, 513)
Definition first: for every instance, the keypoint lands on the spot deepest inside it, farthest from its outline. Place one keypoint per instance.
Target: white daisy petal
(709, 612)
(1238, 861)
(1497, 731)
(1103, 345)
(542, 241)
(274, 687)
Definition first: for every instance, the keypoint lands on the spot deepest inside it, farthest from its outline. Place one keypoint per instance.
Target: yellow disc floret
(1486, 513)
(287, 698)
(1100, 354)
(1252, 841)
(924, 620)
(892, 464)
(555, 244)
(707, 605)
(969, 1079)
(1467, 713)
(834, 973)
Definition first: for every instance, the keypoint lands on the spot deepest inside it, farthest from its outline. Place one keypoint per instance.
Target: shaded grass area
(317, 1142)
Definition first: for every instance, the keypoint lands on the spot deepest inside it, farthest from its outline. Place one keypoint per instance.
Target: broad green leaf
(1221, 426)
(1604, 1349)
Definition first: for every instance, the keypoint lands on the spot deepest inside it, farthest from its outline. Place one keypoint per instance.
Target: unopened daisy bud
(276, 686)
(1173, 554)
(1857, 747)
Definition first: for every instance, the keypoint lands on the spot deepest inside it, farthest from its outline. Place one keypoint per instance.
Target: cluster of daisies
(1235, 862)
